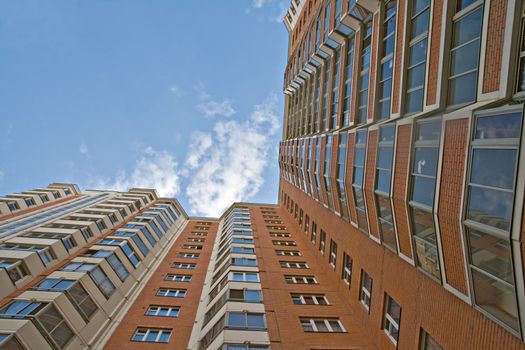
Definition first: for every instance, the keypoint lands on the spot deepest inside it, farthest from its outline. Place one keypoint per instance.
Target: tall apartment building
(400, 221)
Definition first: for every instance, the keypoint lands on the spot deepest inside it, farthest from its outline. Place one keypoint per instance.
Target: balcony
(356, 13)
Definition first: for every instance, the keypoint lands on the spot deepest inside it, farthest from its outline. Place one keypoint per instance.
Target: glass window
(424, 171)
(347, 268)
(331, 325)
(333, 253)
(417, 55)
(349, 71)
(362, 98)
(164, 311)
(392, 319)
(428, 343)
(245, 320)
(488, 221)
(366, 290)
(358, 180)
(387, 61)
(463, 75)
(151, 335)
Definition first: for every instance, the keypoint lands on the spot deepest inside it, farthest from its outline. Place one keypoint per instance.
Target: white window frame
(311, 322)
(314, 297)
(365, 296)
(177, 278)
(188, 266)
(147, 331)
(294, 264)
(155, 310)
(390, 323)
(304, 279)
(288, 253)
(164, 292)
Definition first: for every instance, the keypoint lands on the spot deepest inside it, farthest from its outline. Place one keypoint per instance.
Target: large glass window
(340, 173)
(521, 69)
(326, 169)
(424, 172)
(464, 60)
(358, 180)
(364, 74)
(387, 61)
(383, 180)
(326, 91)
(245, 320)
(317, 165)
(491, 188)
(417, 55)
(349, 71)
(335, 89)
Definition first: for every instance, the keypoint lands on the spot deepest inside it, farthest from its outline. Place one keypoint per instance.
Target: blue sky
(181, 95)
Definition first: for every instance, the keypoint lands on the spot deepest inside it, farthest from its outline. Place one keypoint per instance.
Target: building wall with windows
(427, 183)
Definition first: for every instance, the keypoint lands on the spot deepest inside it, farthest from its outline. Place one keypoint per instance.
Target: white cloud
(177, 91)
(210, 107)
(213, 108)
(258, 3)
(227, 165)
(153, 169)
(83, 149)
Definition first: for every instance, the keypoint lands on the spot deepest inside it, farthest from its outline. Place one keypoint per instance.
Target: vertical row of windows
(364, 74)
(335, 89)
(326, 171)
(358, 179)
(383, 191)
(387, 61)
(349, 71)
(423, 179)
(417, 55)
(491, 188)
(340, 174)
(464, 60)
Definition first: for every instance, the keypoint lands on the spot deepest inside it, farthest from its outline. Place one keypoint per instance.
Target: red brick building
(400, 220)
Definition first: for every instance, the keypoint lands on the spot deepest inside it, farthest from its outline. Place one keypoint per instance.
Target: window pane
(383, 181)
(499, 126)
(384, 208)
(321, 326)
(416, 76)
(491, 254)
(490, 207)
(496, 298)
(429, 130)
(465, 58)
(237, 319)
(425, 161)
(255, 321)
(414, 101)
(423, 191)
(468, 28)
(463, 88)
(494, 167)
(420, 23)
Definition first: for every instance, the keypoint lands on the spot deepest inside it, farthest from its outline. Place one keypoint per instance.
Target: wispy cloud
(177, 91)
(231, 167)
(211, 107)
(274, 9)
(258, 3)
(83, 149)
(153, 169)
